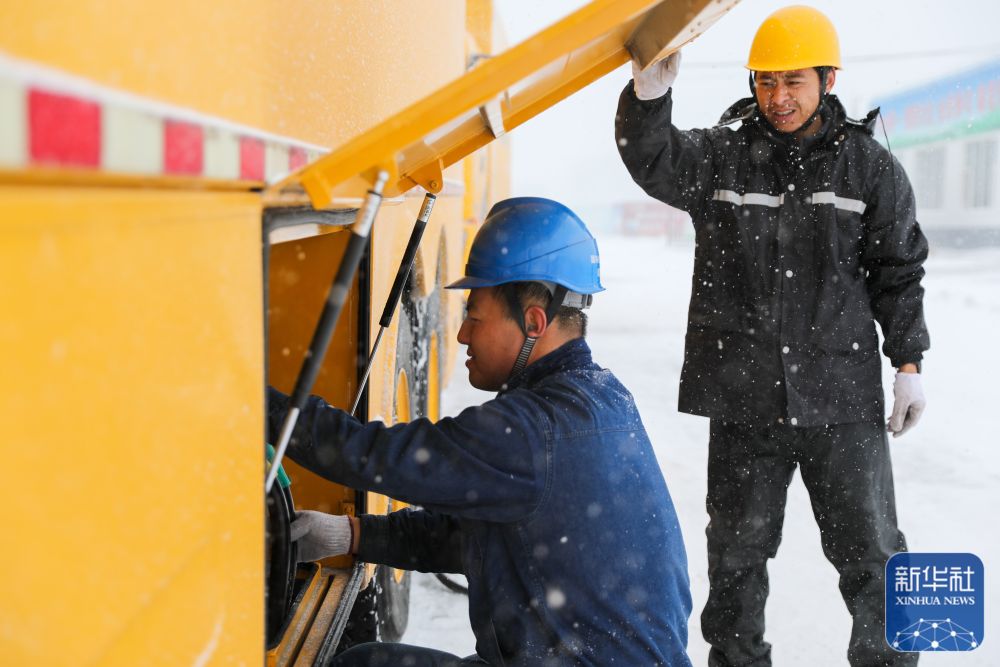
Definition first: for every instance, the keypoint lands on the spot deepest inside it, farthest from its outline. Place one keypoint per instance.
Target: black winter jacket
(800, 248)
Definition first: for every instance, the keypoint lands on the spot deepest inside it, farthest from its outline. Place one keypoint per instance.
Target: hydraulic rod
(335, 299)
(402, 275)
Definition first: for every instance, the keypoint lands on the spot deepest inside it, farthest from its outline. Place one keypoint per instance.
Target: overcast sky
(568, 152)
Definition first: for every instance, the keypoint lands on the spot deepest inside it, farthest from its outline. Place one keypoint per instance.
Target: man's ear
(831, 77)
(535, 321)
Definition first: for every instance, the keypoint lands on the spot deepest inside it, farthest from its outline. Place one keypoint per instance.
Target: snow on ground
(947, 470)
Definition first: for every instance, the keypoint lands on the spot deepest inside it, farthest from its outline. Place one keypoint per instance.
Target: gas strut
(335, 298)
(405, 267)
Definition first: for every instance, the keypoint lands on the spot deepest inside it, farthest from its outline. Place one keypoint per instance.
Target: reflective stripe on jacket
(548, 498)
(800, 249)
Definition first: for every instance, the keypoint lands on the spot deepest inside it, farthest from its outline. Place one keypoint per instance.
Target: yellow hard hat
(796, 37)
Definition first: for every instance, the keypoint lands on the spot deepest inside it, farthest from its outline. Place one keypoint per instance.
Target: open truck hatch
(500, 93)
(413, 148)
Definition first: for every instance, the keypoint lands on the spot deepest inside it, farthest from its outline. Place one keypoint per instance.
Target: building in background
(945, 133)
(649, 217)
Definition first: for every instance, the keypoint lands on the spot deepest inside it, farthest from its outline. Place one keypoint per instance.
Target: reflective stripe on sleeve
(750, 198)
(843, 203)
(775, 201)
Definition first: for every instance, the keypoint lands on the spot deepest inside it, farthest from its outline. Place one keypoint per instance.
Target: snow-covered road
(947, 470)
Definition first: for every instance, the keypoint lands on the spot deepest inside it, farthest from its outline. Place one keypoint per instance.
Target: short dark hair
(531, 293)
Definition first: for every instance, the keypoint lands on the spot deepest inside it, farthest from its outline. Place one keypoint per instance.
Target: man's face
(787, 99)
(493, 340)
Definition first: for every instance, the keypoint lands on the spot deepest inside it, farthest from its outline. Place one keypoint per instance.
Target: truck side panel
(316, 70)
(133, 321)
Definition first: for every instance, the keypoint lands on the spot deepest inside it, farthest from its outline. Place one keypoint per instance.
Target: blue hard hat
(533, 239)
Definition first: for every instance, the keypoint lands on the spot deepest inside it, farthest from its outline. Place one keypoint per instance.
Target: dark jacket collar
(573, 354)
(833, 113)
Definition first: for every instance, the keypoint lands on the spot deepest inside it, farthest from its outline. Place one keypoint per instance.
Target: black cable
(892, 160)
(451, 584)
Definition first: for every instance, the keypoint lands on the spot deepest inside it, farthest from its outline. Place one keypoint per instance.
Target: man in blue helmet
(548, 497)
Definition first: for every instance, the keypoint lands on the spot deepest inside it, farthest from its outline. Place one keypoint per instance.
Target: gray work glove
(909, 403)
(321, 535)
(657, 79)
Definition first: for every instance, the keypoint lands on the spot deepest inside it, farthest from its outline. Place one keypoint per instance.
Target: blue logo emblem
(934, 602)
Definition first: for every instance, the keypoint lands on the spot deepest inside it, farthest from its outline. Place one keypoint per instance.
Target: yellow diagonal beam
(416, 144)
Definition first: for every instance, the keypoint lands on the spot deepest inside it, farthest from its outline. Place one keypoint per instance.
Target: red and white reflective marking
(52, 119)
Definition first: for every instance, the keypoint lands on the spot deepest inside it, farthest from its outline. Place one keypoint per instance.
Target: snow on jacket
(548, 498)
(800, 248)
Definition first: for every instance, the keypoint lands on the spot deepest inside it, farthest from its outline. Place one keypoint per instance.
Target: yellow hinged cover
(501, 93)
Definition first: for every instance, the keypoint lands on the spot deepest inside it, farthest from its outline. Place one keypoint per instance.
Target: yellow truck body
(133, 298)
(171, 215)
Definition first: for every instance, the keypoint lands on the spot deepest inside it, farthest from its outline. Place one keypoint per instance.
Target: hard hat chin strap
(558, 297)
(522, 356)
(823, 74)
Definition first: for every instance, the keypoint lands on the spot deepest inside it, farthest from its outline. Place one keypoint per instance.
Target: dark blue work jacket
(548, 498)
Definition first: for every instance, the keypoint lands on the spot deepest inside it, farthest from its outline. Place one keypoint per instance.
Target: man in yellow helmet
(806, 238)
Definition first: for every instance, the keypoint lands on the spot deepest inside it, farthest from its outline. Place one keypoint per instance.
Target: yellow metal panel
(479, 22)
(132, 409)
(671, 25)
(319, 70)
(323, 620)
(300, 273)
(415, 145)
(301, 620)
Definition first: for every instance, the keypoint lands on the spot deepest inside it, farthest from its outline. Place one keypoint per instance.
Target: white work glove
(321, 535)
(657, 79)
(909, 403)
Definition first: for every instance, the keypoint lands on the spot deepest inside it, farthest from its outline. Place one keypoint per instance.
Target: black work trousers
(847, 470)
